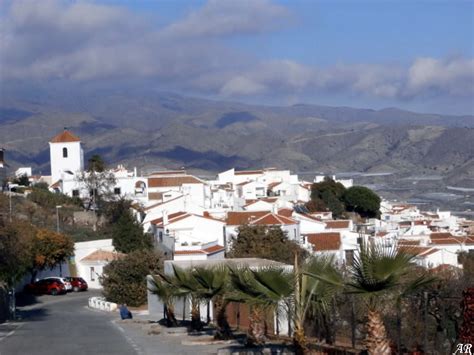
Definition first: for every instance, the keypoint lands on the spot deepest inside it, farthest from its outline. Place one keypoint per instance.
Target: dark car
(50, 286)
(78, 283)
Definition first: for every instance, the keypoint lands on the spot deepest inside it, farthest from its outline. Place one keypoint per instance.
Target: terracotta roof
(171, 217)
(440, 235)
(381, 234)
(248, 172)
(446, 241)
(208, 251)
(263, 199)
(324, 241)
(238, 218)
(155, 196)
(287, 212)
(169, 181)
(168, 172)
(273, 219)
(56, 185)
(273, 184)
(178, 216)
(103, 255)
(161, 203)
(65, 137)
(342, 224)
(417, 250)
(406, 242)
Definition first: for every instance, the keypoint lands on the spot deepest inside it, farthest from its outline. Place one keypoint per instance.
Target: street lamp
(10, 201)
(57, 230)
(57, 217)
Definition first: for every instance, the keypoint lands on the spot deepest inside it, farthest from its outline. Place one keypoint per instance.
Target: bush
(48, 199)
(124, 280)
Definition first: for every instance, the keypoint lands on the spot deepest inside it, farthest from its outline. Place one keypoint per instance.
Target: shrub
(124, 279)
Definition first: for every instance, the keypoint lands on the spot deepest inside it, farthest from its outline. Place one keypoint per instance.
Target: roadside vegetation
(383, 302)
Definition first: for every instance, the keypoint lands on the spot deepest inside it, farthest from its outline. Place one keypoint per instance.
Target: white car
(62, 280)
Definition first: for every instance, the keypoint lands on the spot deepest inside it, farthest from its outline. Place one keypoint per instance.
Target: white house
(91, 257)
(184, 229)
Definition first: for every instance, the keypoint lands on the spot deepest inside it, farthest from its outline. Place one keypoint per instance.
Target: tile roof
(168, 172)
(238, 218)
(162, 203)
(65, 137)
(287, 212)
(441, 235)
(57, 184)
(155, 196)
(173, 217)
(208, 251)
(171, 181)
(102, 255)
(248, 172)
(273, 219)
(324, 241)
(342, 224)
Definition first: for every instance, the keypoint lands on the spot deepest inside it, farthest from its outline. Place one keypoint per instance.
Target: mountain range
(156, 130)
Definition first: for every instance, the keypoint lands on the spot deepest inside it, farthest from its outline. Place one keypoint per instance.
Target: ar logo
(463, 349)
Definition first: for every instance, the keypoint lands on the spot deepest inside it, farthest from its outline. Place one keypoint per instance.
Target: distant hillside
(149, 129)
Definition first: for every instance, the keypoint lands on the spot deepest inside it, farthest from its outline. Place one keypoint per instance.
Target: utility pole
(57, 230)
(10, 202)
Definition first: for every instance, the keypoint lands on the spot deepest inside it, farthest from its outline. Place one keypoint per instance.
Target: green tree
(267, 243)
(124, 279)
(96, 163)
(328, 194)
(49, 249)
(362, 200)
(16, 260)
(126, 233)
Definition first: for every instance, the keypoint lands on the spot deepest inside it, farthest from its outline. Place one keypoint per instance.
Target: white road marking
(11, 332)
(129, 340)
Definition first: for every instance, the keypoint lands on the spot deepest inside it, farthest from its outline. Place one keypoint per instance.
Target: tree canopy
(333, 196)
(124, 279)
(50, 248)
(362, 200)
(15, 251)
(126, 233)
(262, 242)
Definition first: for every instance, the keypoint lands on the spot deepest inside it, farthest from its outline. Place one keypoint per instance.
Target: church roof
(65, 137)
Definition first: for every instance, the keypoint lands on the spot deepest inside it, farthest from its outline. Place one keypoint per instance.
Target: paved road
(63, 325)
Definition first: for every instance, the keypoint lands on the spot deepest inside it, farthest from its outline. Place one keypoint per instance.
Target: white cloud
(82, 41)
(230, 17)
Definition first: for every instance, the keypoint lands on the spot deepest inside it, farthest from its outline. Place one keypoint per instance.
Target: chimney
(206, 214)
(165, 218)
(135, 171)
(2, 150)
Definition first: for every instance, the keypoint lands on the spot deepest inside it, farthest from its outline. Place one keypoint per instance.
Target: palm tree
(164, 287)
(312, 296)
(213, 285)
(188, 286)
(379, 273)
(262, 290)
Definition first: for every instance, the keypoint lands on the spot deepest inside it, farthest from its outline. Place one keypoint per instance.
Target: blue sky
(410, 54)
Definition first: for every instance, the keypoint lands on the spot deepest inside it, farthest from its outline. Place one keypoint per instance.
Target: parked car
(78, 283)
(66, 283)
(50, 286)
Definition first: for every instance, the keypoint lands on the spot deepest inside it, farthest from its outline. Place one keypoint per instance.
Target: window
(75, 193)
(349, 257)
(92, 274)
(117, 191)
(64, 152)
(161, 237)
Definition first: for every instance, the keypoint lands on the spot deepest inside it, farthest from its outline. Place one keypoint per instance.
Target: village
(195, 219)
(196, 223)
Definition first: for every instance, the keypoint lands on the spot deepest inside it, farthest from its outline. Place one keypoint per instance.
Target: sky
(410, 54)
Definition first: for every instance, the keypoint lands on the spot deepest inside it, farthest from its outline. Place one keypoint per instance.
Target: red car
(46, 286)
(78, 283)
